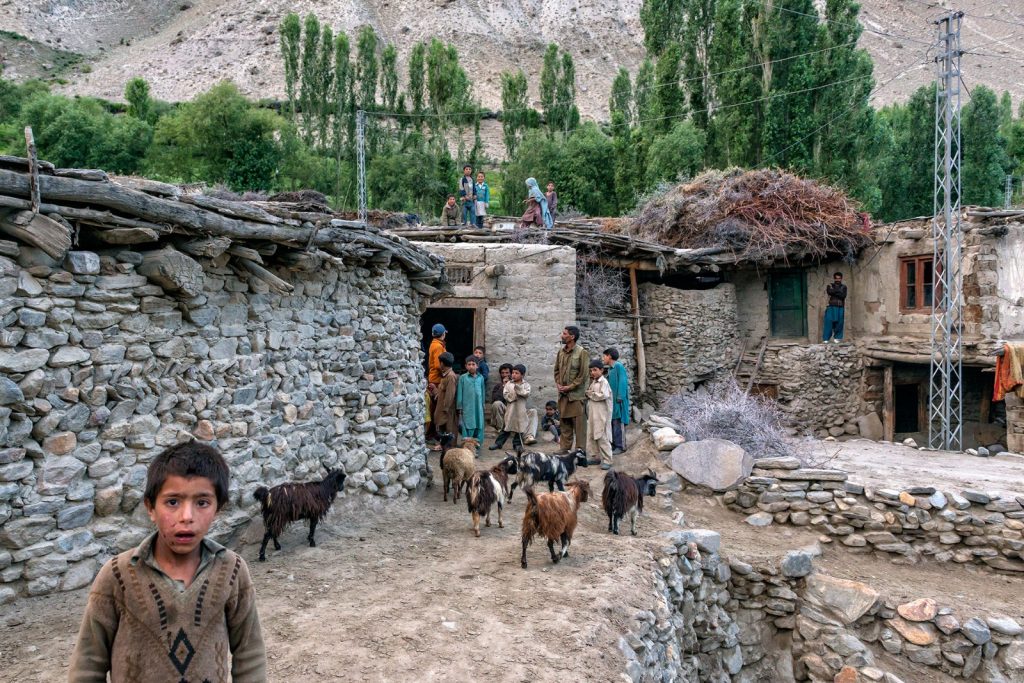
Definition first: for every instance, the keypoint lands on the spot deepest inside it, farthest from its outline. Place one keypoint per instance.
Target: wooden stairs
(749, 365)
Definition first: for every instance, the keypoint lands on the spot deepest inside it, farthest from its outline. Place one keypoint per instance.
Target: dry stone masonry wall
(966, 527)
(598, 334)
(726, 620)
(100, 370)
(690, 335)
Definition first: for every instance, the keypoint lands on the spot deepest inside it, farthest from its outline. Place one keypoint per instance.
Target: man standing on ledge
(835, 313)
(571, 367)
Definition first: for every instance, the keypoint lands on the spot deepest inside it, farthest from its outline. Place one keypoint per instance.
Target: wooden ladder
(752, 376)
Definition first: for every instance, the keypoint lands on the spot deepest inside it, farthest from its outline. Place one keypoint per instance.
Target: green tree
(136, 92)
(291, 35)
(1005, 113)
(586, 173)
(389, 78)
(324, 93)
(515, 109)
(549, 78)
(342, 108)
(668, 95)
(907, 164)
(219, 137)
(662, 21)
(678, 153)
(735, 128)
(699, 28)
(565, 96)
(621, 99)
(417, 65)
(985, 161)
(310, 75)
(366, 69)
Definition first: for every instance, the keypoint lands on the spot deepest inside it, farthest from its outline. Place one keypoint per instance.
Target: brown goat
(483, 490)
(553, 515)
(287, 503)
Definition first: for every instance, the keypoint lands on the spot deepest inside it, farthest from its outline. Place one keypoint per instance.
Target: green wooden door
(787, 302)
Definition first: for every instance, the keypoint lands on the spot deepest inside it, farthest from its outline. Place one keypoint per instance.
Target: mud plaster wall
(100, 371)
(524, 310)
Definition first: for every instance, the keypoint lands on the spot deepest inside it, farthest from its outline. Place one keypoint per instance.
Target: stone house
(293, 350)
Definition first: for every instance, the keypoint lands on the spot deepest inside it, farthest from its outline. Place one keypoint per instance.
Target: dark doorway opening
(907, 405)
(459, 323)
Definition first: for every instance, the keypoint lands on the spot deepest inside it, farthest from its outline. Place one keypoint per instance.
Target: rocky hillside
(184, 46)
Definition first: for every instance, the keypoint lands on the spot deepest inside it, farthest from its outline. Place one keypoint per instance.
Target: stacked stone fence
(718, 619)
(100, 370)
(965, 527)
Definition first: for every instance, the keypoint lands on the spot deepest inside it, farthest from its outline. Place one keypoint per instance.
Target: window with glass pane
(916, 284)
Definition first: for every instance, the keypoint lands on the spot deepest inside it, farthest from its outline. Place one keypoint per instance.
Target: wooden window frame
(919, 262)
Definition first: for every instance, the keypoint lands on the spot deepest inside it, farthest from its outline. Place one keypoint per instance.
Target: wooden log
(146, 185)
(91, 216)
(39, 231)
(173, 271)
(128, 235)
(641, 356)
(209, 247)
(244, 210)
(268, 249)
(33, 169)
(423, 288)
(21, 164)
(245, 253)
(302, 261)
(92, 174)
(888, 409)
(265, 275)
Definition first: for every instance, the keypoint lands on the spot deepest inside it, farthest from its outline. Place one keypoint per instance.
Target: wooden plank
(128, 235)
(33, 169)
(265, 275)
(147, 185)
(641, 356)
(93, 174)
(888, 409)
(245, 253)
(235, 209)
(38, 231)
(757, 366)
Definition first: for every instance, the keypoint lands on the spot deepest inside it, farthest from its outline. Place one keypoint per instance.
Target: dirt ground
(400, 591)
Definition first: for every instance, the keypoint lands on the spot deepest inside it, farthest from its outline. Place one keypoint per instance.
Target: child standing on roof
(483, 198)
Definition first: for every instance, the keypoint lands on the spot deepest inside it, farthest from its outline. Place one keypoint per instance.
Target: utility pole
(361, 162)
(945, 411)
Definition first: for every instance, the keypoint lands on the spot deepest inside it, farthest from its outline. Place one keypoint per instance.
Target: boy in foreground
(179, 606)
(599, 415)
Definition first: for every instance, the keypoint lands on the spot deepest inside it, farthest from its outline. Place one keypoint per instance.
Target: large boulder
(870, 427)
(847, 600)
(716, 463)
(666, 439)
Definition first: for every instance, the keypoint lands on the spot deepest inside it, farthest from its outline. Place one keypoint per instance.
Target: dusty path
(403, 592)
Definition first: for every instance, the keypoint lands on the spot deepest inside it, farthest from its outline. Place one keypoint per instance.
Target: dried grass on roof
(759, 215)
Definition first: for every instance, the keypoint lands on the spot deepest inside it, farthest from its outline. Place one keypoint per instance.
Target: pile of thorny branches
(758, 215)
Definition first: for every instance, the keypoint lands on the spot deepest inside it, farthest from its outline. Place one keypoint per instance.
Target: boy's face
(478, 353)
(451, 201)
(505, 375)
(183, 512)
(479, 177)
(606, 359)
(551, 187)
(517, 376)
(549, 410)
(595, 373)
(471, 367)
(467, 171)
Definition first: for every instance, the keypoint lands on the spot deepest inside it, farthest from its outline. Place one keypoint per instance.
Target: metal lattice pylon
(945, 412)
(361, 162)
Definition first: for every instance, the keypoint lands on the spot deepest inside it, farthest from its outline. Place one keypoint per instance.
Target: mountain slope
(184, 47)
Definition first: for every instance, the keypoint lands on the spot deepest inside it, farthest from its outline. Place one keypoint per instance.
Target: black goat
(290, 502)
(624, 495)
(554, 469)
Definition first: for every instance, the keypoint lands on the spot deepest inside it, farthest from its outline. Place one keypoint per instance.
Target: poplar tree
(667, 94)
(699, 28)
(514, 109)
(417, 65)
(662, 21)
(565, 96)
(549, 78)
(906, 169)
(366, 69)
(291, 32)
(985, 161)
(310, 77)
(734, 135)
(342, 91)
(324, 85)
(389, 78)
(621, 99)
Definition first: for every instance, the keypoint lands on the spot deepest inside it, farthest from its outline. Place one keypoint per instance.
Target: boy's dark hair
(837, 273)
(447, 358)
(192, 459)
(612, 353)
(472, 359)
(505, 366)
(521, 368)
(470, 167)
(451, 196)
(551, 404)
(574, 331)
(480, 348)
(597, 364)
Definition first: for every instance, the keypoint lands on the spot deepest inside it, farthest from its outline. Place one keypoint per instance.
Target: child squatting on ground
(517, 419)
(179, 607)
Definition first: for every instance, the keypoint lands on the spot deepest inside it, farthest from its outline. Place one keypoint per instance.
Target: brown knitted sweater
(139, 627)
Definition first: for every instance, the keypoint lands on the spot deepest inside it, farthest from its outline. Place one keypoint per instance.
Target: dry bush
(723, 410)
(600, 290)
(529, 235)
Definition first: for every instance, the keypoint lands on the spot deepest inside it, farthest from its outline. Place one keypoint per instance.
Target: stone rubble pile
(966, 527)
(727, 620)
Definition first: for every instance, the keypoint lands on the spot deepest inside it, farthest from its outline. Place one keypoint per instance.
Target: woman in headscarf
(537, 212)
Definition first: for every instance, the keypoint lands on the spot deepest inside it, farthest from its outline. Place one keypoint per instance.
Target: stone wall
(100, 370)
(818, 386)
(524, 309)
(690, 335)
(718, 619)
(966, 527)
(598, 334)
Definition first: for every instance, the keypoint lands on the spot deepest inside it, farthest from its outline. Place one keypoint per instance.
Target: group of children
(474, 199)
(455, 403)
